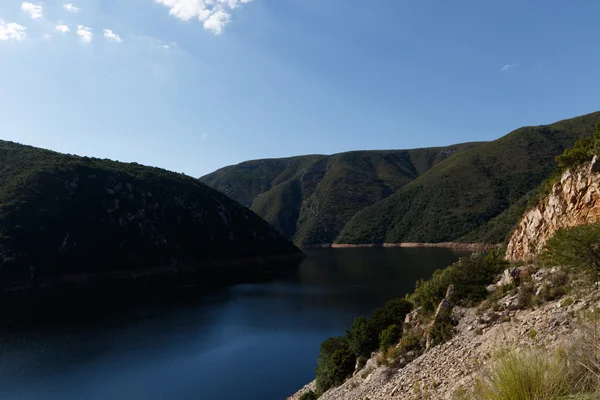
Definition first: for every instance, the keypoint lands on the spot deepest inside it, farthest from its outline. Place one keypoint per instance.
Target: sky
(195, 85)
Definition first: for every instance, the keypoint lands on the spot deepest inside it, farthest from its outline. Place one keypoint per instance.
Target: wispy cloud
(204, 136)
(71, 8)
(214, 14)
(63, 28)
(46, 36)
(111, 36)
(508, 66)
(12, 31)
(85, 34)
(35, 11)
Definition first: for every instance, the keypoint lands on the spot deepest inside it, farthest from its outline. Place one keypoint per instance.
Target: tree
(582, 151)
(362, 337)
(577, 247)
(389, 337)
(335, 363)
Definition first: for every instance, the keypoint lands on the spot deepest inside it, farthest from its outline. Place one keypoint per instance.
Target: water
(254, 341)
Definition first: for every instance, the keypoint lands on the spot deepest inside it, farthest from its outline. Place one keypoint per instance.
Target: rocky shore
(449, 245)
(448, 370)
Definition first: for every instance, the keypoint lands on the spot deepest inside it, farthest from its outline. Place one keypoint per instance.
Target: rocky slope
(453, 367)
(311, 198)
(68, 220)
(574, 200)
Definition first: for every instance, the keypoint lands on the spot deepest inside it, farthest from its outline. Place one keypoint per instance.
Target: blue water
(255, 341)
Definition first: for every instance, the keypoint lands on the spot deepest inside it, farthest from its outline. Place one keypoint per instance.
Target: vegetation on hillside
(383, 330)
(577, 247)
(64, 215)
(470, 192)
(310, 198)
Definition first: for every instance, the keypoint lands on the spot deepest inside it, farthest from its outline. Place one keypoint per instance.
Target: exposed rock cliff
(574, 200)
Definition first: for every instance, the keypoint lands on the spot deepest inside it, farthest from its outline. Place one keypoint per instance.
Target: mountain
(477, 195)
(473, 192)
(311, 198)
(65, 219)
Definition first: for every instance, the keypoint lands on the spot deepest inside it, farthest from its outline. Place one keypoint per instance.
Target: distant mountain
(311, 198)
(75, 219)
(473, 192)
(477, 195)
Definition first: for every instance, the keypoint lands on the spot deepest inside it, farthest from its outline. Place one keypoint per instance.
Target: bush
(310, 395)
(389, 337)
(525, 376)
(582, 151)
(576, 248)
(470, 277)
(335, 363)
(362, 337)
(392, 313)
(584, 356)
(526, 293)
(364, 334)
(443, 328)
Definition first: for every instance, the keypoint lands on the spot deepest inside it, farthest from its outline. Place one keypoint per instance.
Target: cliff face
(574, 200)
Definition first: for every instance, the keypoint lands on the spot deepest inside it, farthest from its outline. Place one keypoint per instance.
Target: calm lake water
(255, 341)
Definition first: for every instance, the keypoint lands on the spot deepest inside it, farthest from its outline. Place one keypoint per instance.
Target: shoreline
(447, 245)
(174, 276)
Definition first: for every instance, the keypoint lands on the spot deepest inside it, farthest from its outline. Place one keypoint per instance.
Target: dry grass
(531, 375)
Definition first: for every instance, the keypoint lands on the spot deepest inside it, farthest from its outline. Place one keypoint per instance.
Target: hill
(311, 198)
(66, 218)
(477, 195)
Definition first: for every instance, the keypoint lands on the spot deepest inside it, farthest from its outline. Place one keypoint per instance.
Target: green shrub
(310, 395)
(443, 328)
(470, 277)
(364, 334)
(392, 313)
(582, 151)
(575, 248)
(389, 337)
(335, 363)
(362, 337)
(524, 376)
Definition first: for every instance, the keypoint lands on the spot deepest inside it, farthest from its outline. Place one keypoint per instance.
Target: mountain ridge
(296, 194)
(474, 193)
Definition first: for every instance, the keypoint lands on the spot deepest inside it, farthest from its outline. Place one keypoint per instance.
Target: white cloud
(46, 36)
(214, 14)
(85, 34)
(217, 21)
(204, 136)
(12, 31)
(35, 11)
(110, 35)
(63, 28)
(508, 66)
(71, 8)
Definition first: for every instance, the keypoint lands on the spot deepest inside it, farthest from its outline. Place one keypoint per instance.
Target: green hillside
(476, 195)
(63, 215)
(311, 198)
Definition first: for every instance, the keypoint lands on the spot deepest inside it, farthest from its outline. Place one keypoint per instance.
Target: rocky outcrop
(574, 200)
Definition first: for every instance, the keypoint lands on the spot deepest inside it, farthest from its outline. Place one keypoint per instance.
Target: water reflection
(243, 342)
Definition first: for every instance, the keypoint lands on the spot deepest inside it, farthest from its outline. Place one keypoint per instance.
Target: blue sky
(194, 85)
